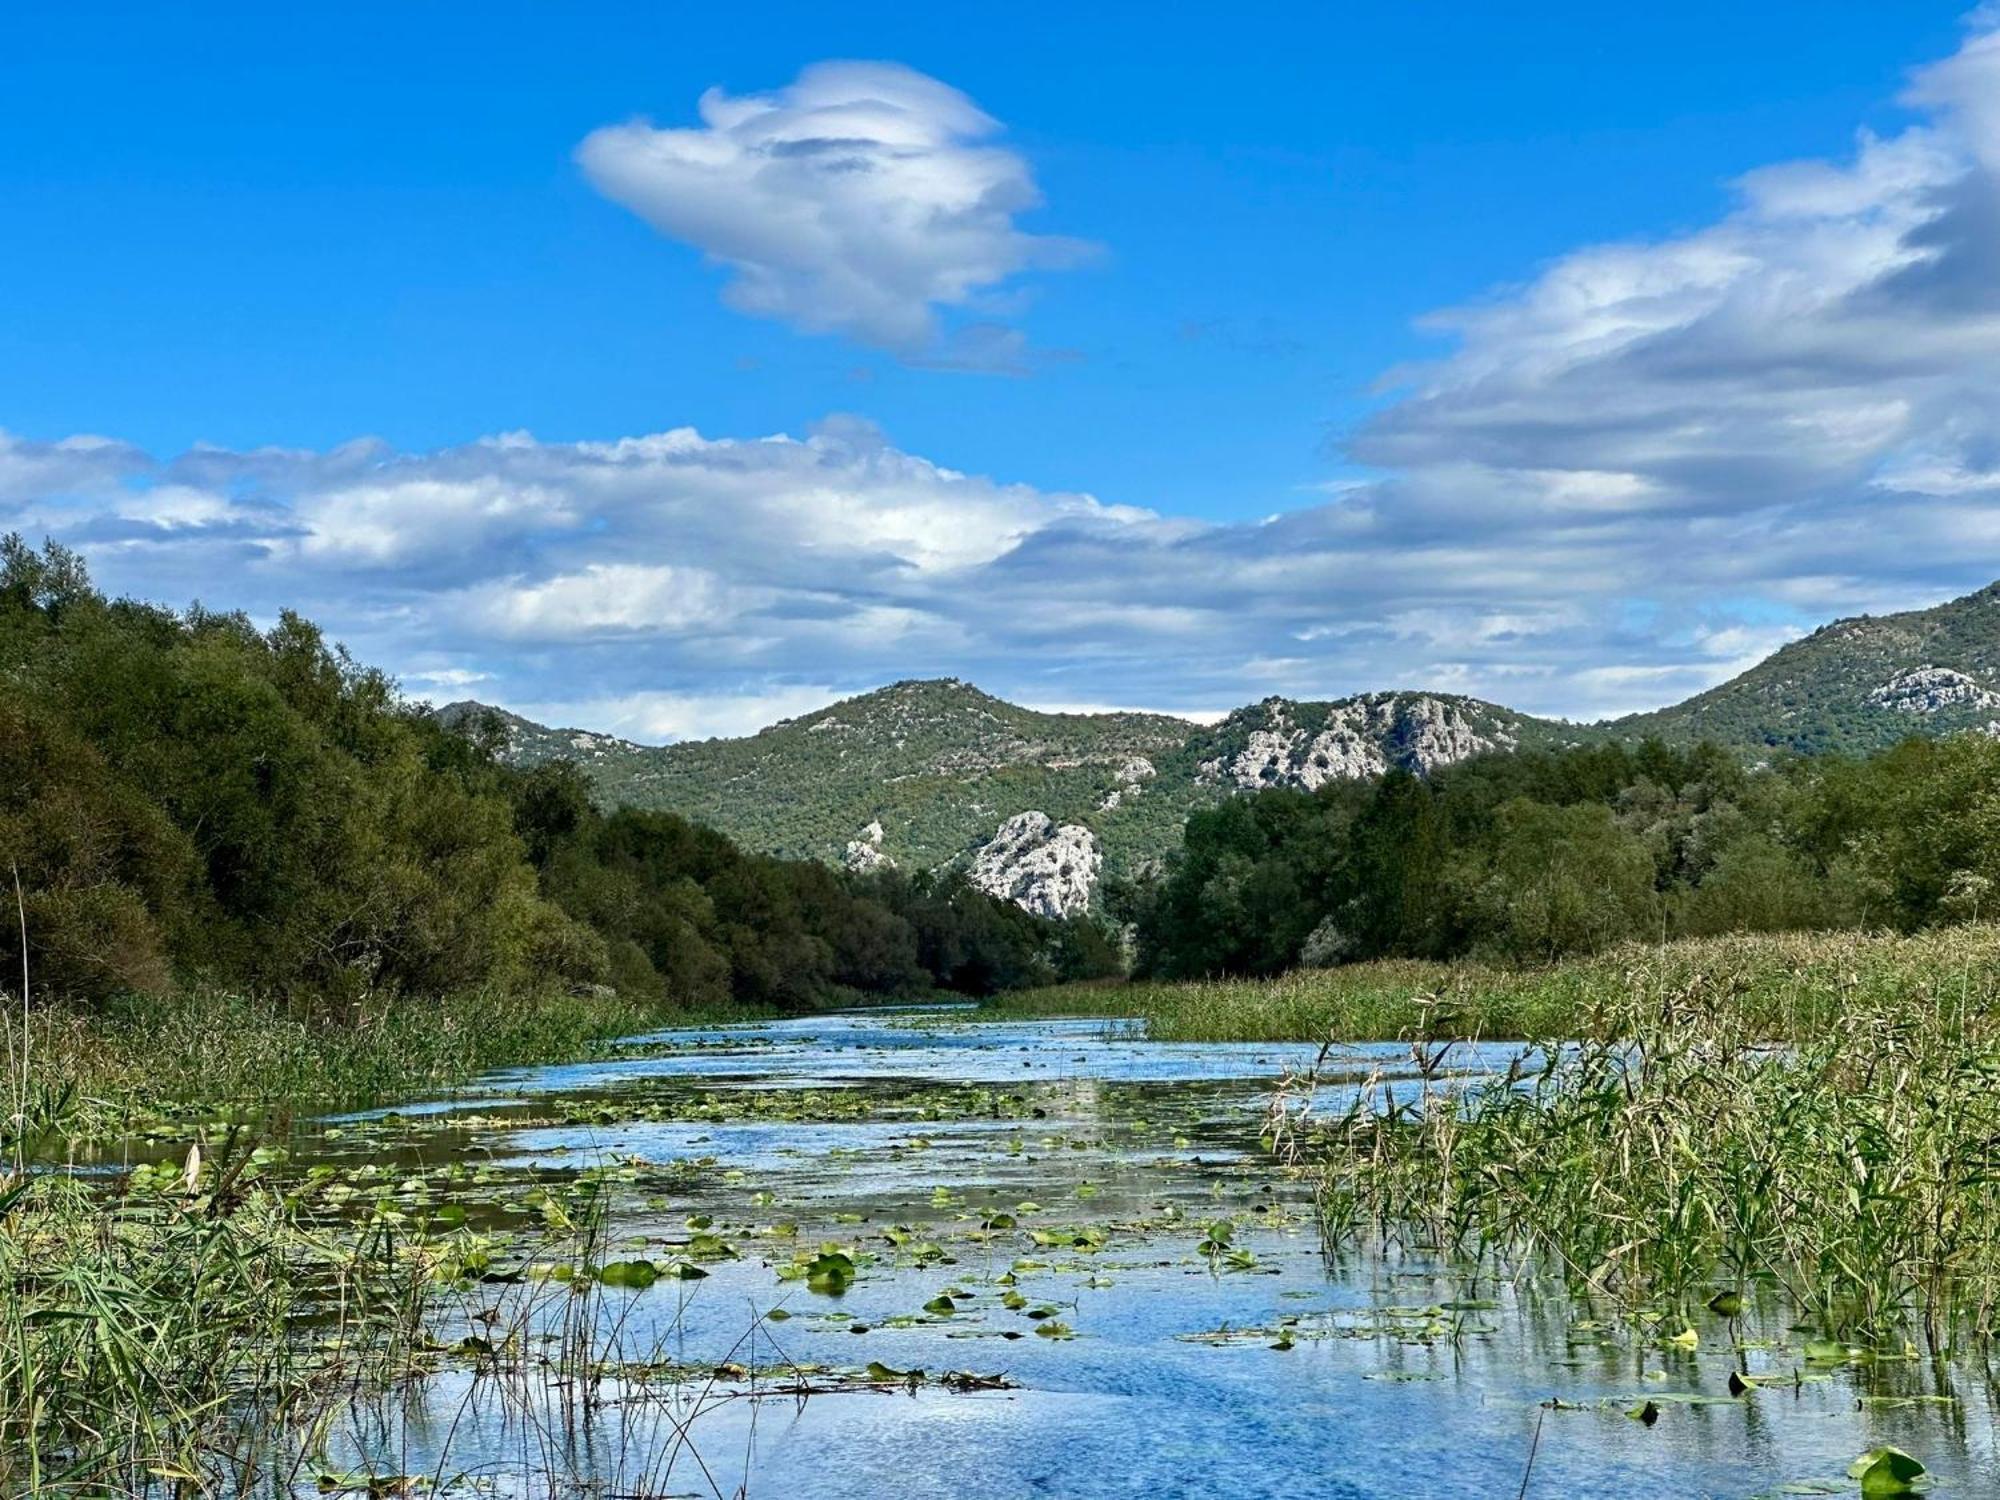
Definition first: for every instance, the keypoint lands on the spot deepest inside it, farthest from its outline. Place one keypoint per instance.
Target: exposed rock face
(865, 853)
(1040, 867)
(1928, 690)
(593, 746)
(1357, 737)
(1135, 771)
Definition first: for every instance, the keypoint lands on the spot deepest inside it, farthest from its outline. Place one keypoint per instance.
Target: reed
(1814, 1117)
(1781, 984)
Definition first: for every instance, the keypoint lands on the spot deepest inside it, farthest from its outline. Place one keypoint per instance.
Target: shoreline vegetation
(1810, 1121)
(1783, 986)
(225, 1051)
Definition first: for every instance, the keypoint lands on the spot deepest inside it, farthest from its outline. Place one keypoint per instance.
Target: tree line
(1533, 856)
(188, 799)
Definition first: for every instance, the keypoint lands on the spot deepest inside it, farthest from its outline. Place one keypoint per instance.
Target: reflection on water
(1101, 1225)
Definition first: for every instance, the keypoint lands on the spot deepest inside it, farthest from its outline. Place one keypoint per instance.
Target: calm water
(1052, 1168)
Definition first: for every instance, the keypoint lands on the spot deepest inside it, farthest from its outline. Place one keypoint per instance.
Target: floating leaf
(1887, 1471)
(635, 1275)
(831, 1273)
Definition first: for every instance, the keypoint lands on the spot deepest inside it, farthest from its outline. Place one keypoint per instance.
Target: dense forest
(1538, 855)
(186, 799)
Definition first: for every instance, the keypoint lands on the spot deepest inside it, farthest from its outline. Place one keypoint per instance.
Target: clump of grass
(1658, 1145)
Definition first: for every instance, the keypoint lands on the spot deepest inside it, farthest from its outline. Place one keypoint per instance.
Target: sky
(669, 371)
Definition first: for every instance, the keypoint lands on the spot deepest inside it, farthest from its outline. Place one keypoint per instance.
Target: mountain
(1856, 685)
(1040, 806)
(523, 742)
(1036, 805)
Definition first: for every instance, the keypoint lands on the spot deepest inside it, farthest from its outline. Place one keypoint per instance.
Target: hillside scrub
(190, 804)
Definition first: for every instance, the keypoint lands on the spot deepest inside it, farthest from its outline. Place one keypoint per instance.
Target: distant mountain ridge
(922, 774)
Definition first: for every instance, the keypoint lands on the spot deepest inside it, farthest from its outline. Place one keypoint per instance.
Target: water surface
(1066, 1176)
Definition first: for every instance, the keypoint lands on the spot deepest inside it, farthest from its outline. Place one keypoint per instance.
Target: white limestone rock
(1041, 867)
(1135, 770)
(1359, 737)
(1928, 690)
(865, 853)
(1131, 775)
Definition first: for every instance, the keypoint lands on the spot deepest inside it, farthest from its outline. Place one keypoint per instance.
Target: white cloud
(655, 718)
(448, 677)
(859, 199)
(606, 599)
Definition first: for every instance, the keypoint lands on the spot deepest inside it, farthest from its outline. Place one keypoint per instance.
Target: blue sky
(1037, 445)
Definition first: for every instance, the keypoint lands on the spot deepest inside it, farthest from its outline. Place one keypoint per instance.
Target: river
(1073, 1271)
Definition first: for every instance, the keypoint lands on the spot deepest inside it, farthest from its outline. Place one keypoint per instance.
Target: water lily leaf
(831, 1273)
(636, 1275)
(1887, 1471)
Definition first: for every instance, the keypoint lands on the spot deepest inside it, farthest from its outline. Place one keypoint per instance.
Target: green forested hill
(937, 766)
(1854, 685)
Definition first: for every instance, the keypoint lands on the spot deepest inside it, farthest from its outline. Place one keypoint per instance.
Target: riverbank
(203, 1047)
(1786, 985)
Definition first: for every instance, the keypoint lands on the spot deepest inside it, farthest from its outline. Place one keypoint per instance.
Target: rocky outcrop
(1928, 690)
(1136, 771)
(1308, 745)
(865, 853)
(1040, 866)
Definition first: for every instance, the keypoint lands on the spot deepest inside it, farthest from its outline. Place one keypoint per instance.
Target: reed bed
(206, 1326)
(1814, 1117)
(1781, 984)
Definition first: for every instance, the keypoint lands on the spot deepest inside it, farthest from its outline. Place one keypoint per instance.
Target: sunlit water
(1169, 1383)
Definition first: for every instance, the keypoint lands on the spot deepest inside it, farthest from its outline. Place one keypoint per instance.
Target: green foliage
(187, 797)
(1535, 856)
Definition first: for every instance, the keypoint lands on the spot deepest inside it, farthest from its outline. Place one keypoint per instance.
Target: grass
(1677, 1155)
(206, 1048)
(186, 1329)
(1782, 985)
